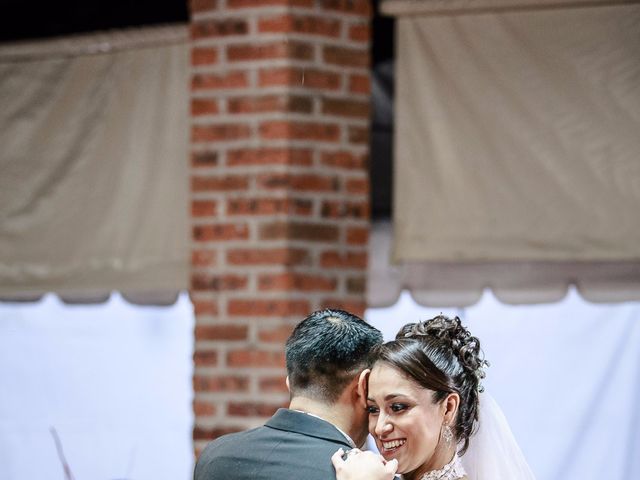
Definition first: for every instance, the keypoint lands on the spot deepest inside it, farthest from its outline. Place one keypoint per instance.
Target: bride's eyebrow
(392, 396)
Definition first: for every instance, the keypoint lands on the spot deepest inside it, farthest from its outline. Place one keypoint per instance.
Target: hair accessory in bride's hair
(455, 336)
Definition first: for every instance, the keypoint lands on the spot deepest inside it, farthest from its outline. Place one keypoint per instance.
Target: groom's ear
(363, 386)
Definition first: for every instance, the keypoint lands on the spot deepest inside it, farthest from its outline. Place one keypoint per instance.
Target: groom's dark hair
(326, 351)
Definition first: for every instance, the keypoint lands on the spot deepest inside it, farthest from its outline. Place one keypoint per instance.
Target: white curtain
(93, 183)
(113, 380)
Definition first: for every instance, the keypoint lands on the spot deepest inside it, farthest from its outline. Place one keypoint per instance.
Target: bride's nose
(383, 426)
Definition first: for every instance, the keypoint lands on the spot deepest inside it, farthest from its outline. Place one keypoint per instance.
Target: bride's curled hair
(441, 355)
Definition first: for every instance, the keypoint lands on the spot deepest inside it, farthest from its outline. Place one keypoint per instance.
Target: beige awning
(517, 150)
(460, 284)
(94, 182)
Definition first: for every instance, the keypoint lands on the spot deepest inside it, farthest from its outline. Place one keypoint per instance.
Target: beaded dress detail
(451, 471)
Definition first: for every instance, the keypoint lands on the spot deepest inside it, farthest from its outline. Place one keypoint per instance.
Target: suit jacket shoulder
(290, 445)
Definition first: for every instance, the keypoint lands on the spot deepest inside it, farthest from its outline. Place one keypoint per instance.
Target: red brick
(252, 409)
(276, 335)
(357, 185)
(321, 79)
(219, 232)
(358, 135)
(268, 308)
(219, 132)
(309, 25)
(206, 81)
(296, 281)
(344, 160)
(360, 83)
(333, 259)
(217, 283)
(357, 235)
(218, 28)
(272, 385)
(204, 258)
(356, 285)
(269, 256)
(203, 208)
(270, 156)
(340, 209)
(209, 433)
(345, 107)
(360, 32)
(222, 383)
(205, 158)
(219, 183)
(204, 56)
(221, 332)
(203, 409)
(346, 57)
(255, 358)
(268, 51)
(358, 7)
(298, 76)
(202, 5)
(269, 206)
(205, 358)
(205, 307)
(201, 106)
(264, 3)
(270, 103)
(314, 232)
(283, 130)
(303, 183)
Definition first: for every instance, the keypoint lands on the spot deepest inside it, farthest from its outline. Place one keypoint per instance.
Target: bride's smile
(392, 445)
(406, 422)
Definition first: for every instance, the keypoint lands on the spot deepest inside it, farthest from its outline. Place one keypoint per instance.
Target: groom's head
(326, 352)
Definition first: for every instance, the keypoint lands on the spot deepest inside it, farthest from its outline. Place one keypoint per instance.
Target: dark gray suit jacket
(290, 445)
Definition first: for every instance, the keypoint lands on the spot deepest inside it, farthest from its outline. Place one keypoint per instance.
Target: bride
(427, 414)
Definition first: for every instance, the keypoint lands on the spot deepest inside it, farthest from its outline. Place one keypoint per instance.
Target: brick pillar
(279, 190)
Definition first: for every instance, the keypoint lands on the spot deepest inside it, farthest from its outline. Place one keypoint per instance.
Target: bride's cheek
(372, 424)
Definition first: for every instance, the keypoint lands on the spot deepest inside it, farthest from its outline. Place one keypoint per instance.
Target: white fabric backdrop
(567, 376)
(114, 380)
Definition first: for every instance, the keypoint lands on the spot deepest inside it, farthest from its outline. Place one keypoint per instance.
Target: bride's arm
(363, 466)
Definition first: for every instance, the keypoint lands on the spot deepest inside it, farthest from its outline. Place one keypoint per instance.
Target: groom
(326, 355)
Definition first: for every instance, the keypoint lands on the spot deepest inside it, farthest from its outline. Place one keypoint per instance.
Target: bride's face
(404, 420)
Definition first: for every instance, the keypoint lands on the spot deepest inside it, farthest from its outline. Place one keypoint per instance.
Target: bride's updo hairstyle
(441, 355)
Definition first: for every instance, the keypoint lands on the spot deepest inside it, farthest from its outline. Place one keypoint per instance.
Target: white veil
(493, 452)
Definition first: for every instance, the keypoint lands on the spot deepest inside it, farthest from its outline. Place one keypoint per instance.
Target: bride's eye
(398, 407)
(372, 409)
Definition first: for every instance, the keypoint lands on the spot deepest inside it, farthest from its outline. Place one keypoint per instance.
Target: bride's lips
(391, 446)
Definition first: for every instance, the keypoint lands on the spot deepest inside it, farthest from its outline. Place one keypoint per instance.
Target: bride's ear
(450, 407)
(363, 386)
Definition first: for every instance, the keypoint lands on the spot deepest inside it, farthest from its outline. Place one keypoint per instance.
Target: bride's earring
(447, 434)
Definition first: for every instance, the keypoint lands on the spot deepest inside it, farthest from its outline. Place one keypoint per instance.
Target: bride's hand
(363, 466)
